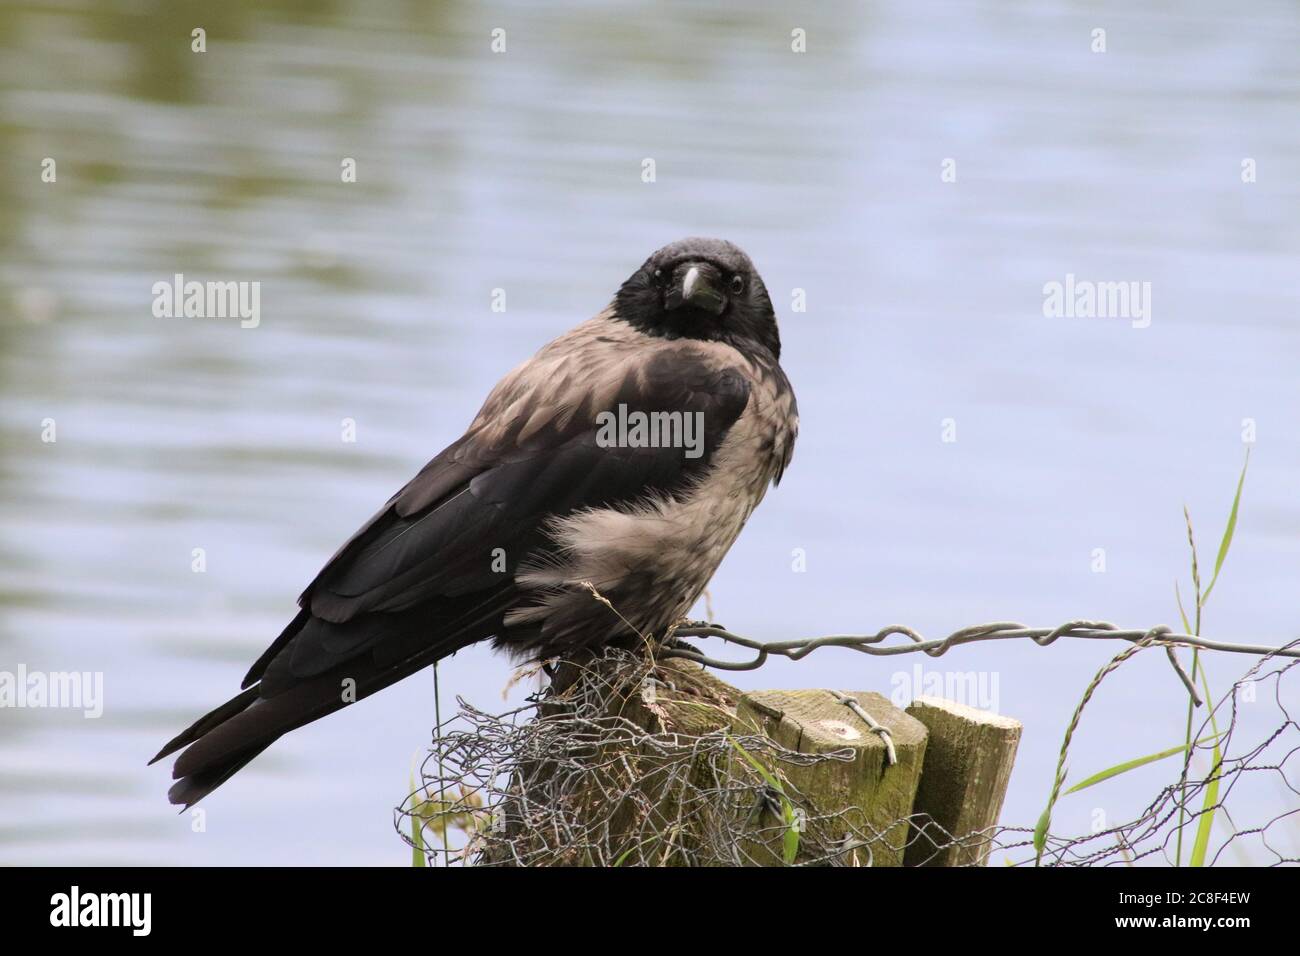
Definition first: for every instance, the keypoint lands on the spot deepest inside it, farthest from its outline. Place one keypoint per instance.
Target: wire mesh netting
(624, 760)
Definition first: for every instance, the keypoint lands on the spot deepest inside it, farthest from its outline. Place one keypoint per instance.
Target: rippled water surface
(522, 171)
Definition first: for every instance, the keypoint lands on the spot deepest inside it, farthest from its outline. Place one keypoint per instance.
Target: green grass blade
(790, 839)
(1210, 804)
(1040, 832)
(762, 771)
(1128, 765)
(1202, 843)
(1228, 531)
(790, 842)
(417, 832)
(1178, 596)
(417, 844)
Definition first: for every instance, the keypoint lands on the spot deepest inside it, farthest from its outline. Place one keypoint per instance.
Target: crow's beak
(698, 284)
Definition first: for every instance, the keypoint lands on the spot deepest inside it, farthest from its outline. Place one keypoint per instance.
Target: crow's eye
(659, 274)
(737, 284)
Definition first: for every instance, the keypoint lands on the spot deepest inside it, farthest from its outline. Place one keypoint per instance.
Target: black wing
(423, 577)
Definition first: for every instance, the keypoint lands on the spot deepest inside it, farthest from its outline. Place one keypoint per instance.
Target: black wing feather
(417, 581)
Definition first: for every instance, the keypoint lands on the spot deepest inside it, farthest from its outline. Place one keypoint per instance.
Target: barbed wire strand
(997, 631)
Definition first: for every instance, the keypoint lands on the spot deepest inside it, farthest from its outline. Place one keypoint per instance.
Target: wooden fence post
(964, 780)
(875, 795)
(951, 764)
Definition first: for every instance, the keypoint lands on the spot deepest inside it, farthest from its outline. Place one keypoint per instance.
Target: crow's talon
(697, 625)
(677, 644)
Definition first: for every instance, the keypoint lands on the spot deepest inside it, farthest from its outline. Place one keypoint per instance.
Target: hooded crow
(627, 454)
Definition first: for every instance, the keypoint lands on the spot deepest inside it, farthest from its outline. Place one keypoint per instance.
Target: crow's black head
(700, 289)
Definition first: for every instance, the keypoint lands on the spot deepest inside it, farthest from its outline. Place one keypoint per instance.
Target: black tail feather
(188, 791)
(222, 742)
(207, 722)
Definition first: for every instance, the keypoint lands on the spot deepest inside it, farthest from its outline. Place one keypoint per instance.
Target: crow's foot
(698, 625)
(677, 644)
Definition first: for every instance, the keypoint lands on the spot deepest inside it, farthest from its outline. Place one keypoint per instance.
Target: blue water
(522, 171)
